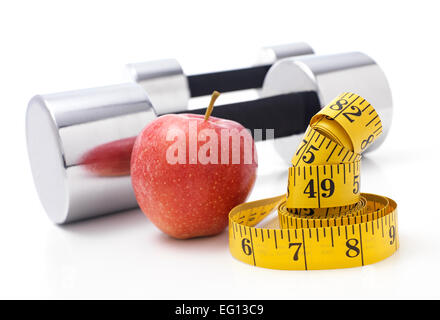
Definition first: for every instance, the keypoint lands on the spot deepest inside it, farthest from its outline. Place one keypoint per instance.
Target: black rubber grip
(287, 114)
(227, 81)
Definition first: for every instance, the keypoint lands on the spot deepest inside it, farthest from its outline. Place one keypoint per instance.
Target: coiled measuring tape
(324, 222)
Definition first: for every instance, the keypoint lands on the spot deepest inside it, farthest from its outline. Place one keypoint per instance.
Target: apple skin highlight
(188, 200)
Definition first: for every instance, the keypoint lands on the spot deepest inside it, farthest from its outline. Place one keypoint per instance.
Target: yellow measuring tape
(324, 222)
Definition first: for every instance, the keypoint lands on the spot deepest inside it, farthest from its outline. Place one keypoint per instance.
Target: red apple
(189, 200)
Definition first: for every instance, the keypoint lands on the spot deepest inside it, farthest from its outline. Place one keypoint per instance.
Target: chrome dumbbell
(80, 142)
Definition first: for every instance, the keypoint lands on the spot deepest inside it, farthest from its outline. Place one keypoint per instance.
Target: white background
(51, 46)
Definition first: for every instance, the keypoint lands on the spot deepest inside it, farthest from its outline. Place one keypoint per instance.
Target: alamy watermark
(214, 148)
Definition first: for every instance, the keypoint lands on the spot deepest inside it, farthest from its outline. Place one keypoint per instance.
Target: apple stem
(214, 97)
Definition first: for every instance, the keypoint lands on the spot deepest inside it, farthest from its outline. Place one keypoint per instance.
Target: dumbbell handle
(287, 114)
(227, 81)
